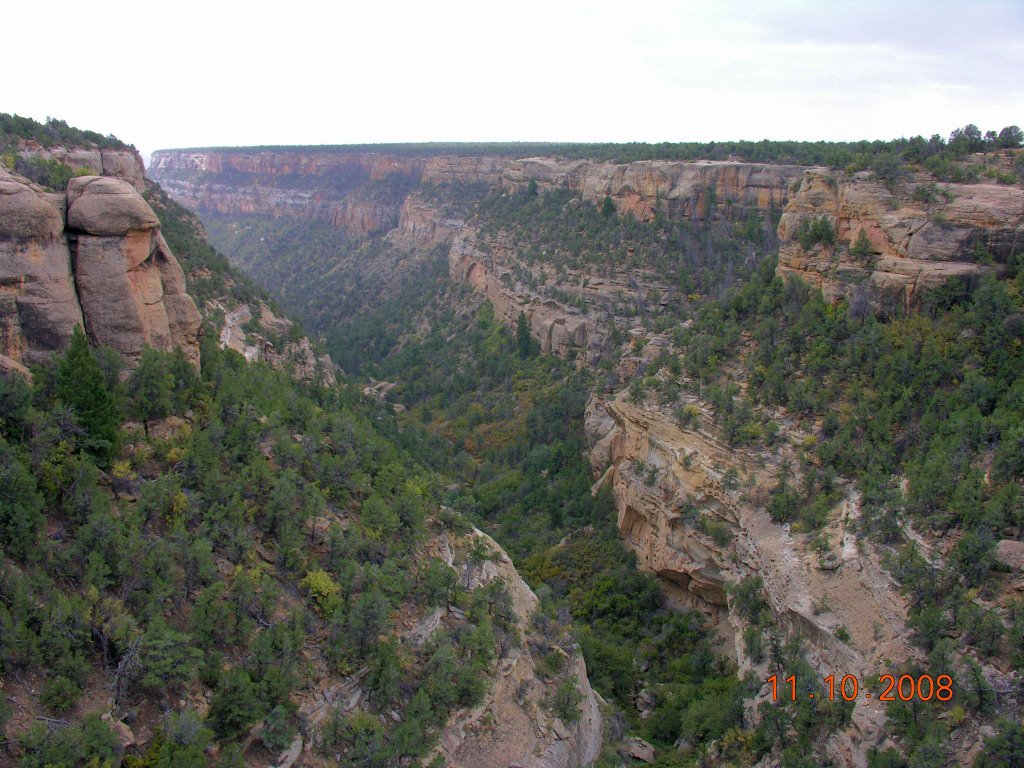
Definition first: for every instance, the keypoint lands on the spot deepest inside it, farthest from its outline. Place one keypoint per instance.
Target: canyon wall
(914, 236)
(91, 256)
(692, 508)
(561, 329)
(363, 192)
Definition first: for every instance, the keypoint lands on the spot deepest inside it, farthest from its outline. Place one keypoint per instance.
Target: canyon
(690, 506)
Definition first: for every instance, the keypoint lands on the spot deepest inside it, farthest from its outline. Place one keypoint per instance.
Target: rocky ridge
(512, 726)
(703, 533)
(272, 343)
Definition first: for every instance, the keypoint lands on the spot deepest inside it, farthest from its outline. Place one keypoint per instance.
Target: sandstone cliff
(363, 192)
(562, 330)
(676, 189)
(273, 343)
(701, 532)
(917, 236)
(92, 256)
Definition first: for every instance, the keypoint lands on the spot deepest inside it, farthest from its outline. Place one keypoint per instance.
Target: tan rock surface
(915, 246)
(666, 479)
(39, 308)
(126, 288)
(107, 207)
(501, 731)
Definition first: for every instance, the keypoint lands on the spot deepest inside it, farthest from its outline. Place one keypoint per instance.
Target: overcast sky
(231, 73)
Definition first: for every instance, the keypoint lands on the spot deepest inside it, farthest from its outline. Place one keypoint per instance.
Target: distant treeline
(831, 153)
(52, 132)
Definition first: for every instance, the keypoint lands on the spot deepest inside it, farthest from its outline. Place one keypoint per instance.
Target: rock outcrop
(513, 726)
(561, 329)
(92, 256)
(124, 164)
(676, 189)
(692, 508)
(914, 238)
(274, 344)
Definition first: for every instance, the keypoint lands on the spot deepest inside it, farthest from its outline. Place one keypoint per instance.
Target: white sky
(186, 73)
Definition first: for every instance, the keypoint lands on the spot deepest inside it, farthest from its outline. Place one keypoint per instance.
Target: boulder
(638, 749)
(25, 214)
(127, 290)
(105, 206)
(1011, 553)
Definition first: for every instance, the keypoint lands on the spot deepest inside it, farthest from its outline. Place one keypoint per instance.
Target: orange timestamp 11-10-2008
(848, 688)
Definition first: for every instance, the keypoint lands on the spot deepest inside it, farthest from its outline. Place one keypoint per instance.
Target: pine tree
(82, 386)
(21, 515)
(152, 387)
(524, 342)
(608, 207)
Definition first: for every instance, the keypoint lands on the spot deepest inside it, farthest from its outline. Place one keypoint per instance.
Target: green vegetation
(828, 153)
(129, 594)
(810, 232)
(52, 132)
(556, 231)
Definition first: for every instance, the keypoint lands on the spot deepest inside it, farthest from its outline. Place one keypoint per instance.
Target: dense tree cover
(52, 132)
(935, 397)
(205, 565)
(699, 254)
(837, 154)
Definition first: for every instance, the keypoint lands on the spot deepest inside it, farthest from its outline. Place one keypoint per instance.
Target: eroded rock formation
(513, 725)
(676, 189)
(124, 164)
(562, 330)
(692, 509)
(917, 236)
(273, 343)
(92, 256)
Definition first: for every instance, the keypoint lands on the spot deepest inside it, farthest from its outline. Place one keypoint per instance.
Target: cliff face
(364, 192)
(676, 189)
(92, 256)
(361, 193)
(699, 531)
(918, 236)
(562, 330)
(297, 358)
(124, 164)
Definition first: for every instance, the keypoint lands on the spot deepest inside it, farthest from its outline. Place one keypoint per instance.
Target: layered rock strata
(917, 237)
(364, 192)
(692, 509)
